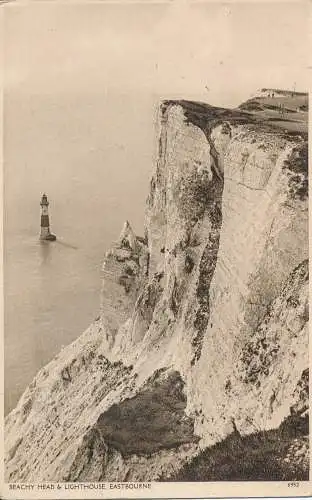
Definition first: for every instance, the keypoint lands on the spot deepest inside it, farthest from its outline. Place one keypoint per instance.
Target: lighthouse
(45, 223)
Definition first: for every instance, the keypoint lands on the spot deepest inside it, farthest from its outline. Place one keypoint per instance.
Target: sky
(213, 51)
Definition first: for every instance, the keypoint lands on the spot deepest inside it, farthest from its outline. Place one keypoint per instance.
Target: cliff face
(204, 322)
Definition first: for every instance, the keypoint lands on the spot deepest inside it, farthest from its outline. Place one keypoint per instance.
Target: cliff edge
(200, 351)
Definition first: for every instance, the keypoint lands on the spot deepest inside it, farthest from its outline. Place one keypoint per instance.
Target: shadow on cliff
(274, 455)
(152, 420)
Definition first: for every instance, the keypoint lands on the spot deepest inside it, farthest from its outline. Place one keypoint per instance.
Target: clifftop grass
(262, 456)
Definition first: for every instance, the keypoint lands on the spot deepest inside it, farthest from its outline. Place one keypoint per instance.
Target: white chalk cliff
(203, 329)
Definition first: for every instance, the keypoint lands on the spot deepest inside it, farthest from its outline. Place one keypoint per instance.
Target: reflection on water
(45, 252)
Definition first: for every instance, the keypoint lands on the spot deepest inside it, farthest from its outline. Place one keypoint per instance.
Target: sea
(93, 156)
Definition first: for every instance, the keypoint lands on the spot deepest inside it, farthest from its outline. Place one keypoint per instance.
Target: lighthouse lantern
(44, 200)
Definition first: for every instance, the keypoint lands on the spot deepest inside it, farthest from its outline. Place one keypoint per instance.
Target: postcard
(155, 249)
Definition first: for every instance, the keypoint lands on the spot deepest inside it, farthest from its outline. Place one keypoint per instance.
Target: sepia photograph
(155, 249)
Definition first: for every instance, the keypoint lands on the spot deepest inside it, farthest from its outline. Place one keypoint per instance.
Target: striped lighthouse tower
(45, 223)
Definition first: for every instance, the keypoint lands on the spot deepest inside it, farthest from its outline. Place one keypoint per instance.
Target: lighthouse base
(48, 237)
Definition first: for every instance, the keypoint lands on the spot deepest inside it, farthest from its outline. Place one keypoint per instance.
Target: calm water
(93, 157)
